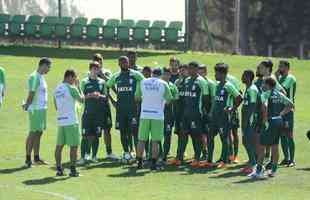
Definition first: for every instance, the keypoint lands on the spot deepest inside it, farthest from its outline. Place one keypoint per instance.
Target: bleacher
(111, 31)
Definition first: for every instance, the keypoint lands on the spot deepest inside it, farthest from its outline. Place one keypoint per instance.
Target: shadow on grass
(304, 169)
(132, 172)
(44, 181)
(73, 53)
(249, 180)
(13, 170)
(229, 174)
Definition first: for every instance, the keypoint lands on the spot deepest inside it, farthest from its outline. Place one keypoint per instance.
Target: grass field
(107, 180)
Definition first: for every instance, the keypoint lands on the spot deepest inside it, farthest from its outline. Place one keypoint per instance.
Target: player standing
(125, 83)
(225, 92)
(66, 96)
(36, 105)
(275, 105)
(174, 64)
(288, 82)
(154, 93)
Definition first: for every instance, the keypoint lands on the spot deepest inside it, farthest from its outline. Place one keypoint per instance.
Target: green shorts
(153, 127)
(37, 120)
(271, 135)
(68, 135)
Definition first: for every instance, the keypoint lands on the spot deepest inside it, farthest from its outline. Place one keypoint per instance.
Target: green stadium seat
(61, 29)
(123, 30)
(16, 23)
(93, 29)
(109, 30)
(47, 28)
(77, 28)
(139, 31)
(156, 30)
(32, 25)
(4, 21)
(172, 31)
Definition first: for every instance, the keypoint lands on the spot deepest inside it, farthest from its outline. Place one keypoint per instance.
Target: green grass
(108, 180)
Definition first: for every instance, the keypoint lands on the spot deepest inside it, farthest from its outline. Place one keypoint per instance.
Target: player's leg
(285, 150)
(167, 139)
(72, 139)
(249, 145)
(58, 153)
(291, 142)
(224, 136)
(125, 134)
(143, 136)
(157, 134)
(95, 142)
(29, 147)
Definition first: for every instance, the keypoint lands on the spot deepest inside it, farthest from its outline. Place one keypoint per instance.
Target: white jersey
(37, 84)
(153, 93)
(66, 105)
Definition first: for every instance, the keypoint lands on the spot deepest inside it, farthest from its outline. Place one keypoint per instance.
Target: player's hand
(77, 83)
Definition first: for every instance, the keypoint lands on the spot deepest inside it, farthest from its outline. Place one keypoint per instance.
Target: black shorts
(192, 124)
(126, 122)
(168, 126)
(206, 124)
(92, 126)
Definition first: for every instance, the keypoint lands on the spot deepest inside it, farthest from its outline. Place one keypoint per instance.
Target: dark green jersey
(249, 105)
(94, 106)
(224, 94)
(125, 83)
(275, 102)
(174, 77)
(289, 84)
(195, 89)
(179, 104)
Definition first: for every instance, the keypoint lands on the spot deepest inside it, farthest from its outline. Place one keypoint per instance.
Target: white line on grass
(65, 197)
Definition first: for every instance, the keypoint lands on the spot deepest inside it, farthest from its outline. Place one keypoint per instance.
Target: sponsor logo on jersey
(125, 89)
(190, 94)
(219, 98)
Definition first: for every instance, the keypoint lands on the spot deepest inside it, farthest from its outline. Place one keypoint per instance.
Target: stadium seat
(93, 29)
(15, 25)
(4, 21)
(124, 30)
(172, 31)
(32, 25)
(156, 31)
(139, 31)
(61, 29)
(77, 28)
(47, 28)
(109, 30)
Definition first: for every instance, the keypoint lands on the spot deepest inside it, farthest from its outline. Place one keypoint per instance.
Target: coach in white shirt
(154, 93)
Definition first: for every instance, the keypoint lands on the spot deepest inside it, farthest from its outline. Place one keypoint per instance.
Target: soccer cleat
(140, 165)
(133, 154)
(94, 160)
(271, 173)
(236, 160)
(269, 165)
(112, 156)
(195, 164)
(221, 165)
(82, 161)
(28, 163)
(291, 164)
(126, 158)
(247, 170)
(87, 157)
(155, 167)
(258, 175)
(284, 162)
(60, 173)
(231, 158)
(40, 162)
(74, 173)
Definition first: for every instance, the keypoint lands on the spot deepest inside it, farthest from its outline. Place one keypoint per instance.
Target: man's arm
(138, 94)
(29, 100)
(236, 95)
(33, 85)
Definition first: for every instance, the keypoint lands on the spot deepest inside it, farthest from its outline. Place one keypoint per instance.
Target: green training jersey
(195, 89)
(275, 102)
(37, 84)
(224, 94)
(2, 77)
(179, 103)
(289, 84)
(249, 106)
(212, 87)
(125, 83)
(169, 111)
(233, 80)
(174, 77)
(94, 106)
